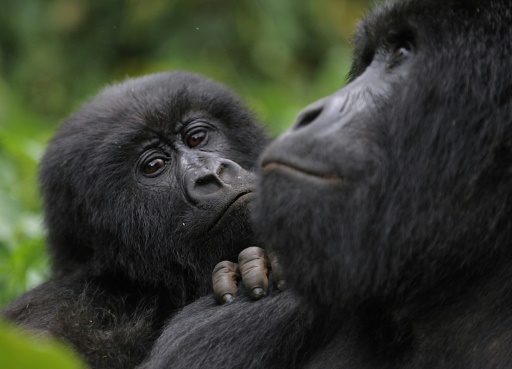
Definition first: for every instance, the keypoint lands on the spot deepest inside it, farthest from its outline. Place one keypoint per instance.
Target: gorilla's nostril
(308, 116)
(202, 181)
(220, 168)
(206, 179)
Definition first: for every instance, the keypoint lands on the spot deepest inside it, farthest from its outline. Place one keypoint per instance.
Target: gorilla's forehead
(157, 104)
(163, 96)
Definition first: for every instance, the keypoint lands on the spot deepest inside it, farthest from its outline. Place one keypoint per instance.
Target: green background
(279, 55)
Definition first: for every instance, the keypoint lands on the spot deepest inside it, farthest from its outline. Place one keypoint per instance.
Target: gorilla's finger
(277, 270)
(252, 263)
(224, 278)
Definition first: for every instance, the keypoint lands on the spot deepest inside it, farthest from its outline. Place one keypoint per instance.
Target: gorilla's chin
(234, 211)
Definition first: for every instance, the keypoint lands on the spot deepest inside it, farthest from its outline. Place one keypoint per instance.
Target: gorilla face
(400, 181)
(152, 178)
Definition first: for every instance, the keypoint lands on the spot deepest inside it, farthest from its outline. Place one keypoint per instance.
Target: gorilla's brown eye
(153, 166)
(401, 52)
(196, 138)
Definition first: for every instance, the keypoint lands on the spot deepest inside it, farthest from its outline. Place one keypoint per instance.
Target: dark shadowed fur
(129, 247)
(390, 204)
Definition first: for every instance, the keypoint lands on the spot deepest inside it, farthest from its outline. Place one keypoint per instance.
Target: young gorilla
(145, 189)
(390, 205)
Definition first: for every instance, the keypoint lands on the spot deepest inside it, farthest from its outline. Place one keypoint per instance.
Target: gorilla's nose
(327, 109)
(216, 179)
(309, 114)
(215, 175)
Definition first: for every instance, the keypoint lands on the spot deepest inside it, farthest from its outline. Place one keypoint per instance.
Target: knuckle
(250, 254)
(224, 267)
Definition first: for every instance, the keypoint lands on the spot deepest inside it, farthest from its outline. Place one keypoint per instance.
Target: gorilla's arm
(100, 321)
(269, 333)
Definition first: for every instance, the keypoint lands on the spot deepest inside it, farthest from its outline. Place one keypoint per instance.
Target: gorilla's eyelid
(399, 37)
(156, 148)
(197, 125)
(193, 119)
(200, 122)
(185, 121)
(153, 153)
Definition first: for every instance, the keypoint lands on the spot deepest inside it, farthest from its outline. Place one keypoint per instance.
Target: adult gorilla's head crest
(151, 179)
(400, 183)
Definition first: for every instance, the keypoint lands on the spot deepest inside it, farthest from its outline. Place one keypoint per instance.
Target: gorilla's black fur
(145, 189)
(390, 204)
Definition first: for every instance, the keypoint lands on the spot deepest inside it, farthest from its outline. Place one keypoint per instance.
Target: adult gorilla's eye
(153, 166)
(401, 52)
(195, 138)
(402, 48)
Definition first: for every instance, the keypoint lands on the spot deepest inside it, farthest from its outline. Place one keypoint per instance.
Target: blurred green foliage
(279, 55)
(19, 350)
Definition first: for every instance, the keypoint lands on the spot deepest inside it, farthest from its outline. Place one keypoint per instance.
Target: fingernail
(257, 293)
(282, 285)
(227, 298)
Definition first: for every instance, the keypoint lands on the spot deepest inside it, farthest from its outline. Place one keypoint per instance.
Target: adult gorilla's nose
(309, 114)
(329, 107)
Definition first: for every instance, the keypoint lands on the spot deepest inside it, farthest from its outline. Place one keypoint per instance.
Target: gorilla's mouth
(238, 201)
(302, 172)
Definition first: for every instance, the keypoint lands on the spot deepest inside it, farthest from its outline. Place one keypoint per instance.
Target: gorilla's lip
(234, 203)
(303, 172)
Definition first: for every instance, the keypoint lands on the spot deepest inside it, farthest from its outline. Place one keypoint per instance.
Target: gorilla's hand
(252, 268)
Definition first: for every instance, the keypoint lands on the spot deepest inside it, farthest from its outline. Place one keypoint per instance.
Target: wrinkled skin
(252, 270)
(145, 189)
(390, 205)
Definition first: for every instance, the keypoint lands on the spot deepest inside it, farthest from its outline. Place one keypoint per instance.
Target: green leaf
(19, 350)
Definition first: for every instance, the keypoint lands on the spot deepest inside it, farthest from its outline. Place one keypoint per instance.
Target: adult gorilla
(145, 188)
(390, 205)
